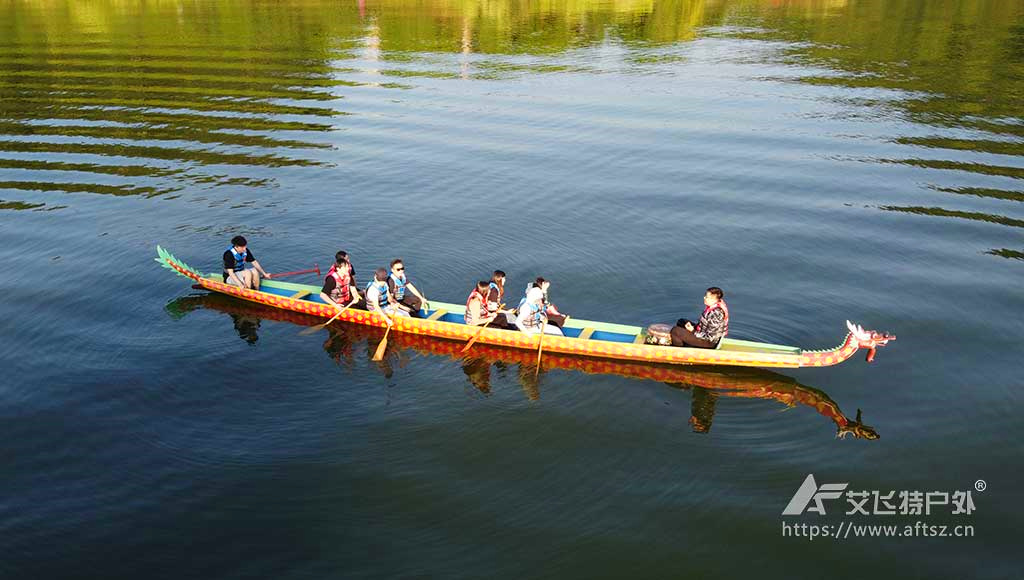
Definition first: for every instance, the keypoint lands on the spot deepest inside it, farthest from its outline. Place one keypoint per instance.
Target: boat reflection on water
(347, 342)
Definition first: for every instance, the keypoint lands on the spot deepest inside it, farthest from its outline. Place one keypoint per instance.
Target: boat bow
(856, 339)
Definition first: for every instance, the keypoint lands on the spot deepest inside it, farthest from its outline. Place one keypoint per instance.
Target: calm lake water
(819, 160)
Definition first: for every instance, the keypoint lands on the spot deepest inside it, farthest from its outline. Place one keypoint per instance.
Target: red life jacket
(342, 292)
(475, 294)
(725, 310)
(334, 268)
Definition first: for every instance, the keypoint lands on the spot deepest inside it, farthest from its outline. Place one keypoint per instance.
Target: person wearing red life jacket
(710, 329)
(339, 287)
(343, 255)
(476, 305)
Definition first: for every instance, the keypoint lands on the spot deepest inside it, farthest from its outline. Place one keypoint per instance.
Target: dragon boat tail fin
(180, 268)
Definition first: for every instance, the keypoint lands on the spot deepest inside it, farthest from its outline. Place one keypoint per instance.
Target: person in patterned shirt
(710, 329)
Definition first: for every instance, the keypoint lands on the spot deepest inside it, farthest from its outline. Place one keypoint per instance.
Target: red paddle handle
(316, 268)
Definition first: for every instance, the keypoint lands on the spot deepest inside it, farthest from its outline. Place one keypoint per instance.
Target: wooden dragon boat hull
(583, 337)
(342, 340)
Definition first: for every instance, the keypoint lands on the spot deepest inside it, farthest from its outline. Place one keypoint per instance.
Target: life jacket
(483, 305)
(725, 321)
(341, 294)
(526, 293)
(239, 258)
(534, 313)
(334, 268)
(501, 294)
(531, 312)
(382, 292)
(548, 306)
(400, 282)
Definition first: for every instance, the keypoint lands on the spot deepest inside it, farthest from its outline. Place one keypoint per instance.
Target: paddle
(313, 329)
(316, 268)
(540, 346)
(379, 354)
(472, 341)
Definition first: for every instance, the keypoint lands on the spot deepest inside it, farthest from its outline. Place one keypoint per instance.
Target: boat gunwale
(766, 355)
(576, 323)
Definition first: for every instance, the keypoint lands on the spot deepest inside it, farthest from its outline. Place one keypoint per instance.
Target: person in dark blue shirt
(240, 266)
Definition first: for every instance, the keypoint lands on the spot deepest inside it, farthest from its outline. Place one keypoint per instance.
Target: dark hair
(396, 261)
(497, 278)
(380, 274)
(716, 292)
(482, 284)
(341, 255)
(539, 281)
(239, 241)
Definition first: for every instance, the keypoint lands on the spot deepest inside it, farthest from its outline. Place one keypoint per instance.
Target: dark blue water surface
(820, 161)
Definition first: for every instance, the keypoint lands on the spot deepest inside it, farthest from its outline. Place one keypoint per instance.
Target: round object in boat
(658, 334)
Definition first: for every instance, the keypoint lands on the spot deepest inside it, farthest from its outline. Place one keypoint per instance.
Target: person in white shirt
(533, 314)
(380, 299)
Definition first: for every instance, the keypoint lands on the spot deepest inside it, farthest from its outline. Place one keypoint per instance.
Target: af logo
(809, 490)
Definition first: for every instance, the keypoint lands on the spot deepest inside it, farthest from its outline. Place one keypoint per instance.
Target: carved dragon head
(857, 428)
(869, 339)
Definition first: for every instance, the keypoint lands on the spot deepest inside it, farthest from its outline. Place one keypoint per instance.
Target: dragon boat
(346, 343)
(583, 338)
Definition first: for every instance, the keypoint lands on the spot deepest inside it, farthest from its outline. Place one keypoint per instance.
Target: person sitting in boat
(342, 255)
(476, 305)
(554, 316)
(495, 295)
(379, 298)
(710, 329)
(240, 266)
(339, 288)
(408, 297)
(533, 314)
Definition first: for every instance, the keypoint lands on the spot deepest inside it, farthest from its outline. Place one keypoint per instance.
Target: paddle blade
(469, 344)
(540, 348)
(472, 341)
(379, 354)
(311, 329)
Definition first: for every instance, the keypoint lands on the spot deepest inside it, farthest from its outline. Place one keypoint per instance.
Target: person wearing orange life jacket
(408, 297)
(476, 305)
(339, 288)
(379, 298)
(710, 329)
